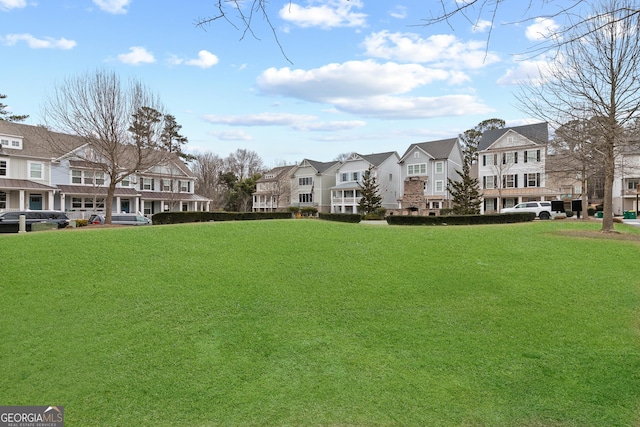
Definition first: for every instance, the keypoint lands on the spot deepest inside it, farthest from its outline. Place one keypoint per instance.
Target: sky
(365, 76)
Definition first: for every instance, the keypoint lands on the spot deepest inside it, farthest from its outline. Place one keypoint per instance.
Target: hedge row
(184, 217)
(505, 218)
(354, 218)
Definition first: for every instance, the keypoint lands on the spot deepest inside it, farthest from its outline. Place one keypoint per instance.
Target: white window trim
(41, 164)
(7, 167)
(439, 165)
(438, 183)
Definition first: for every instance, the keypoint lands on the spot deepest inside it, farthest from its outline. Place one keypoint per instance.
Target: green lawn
(309, 323)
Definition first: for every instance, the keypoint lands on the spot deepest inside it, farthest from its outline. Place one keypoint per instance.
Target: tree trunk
(108, 202)
(609, 165)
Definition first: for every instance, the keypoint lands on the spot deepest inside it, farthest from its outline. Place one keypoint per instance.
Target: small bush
(309, 211)
(188, 217)
(569, 214)
(82, 222)
(503, 218)
(353, 218)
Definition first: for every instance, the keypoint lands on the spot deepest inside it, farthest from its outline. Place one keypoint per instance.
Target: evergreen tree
(371, 200)
(171, 138)
(466, 192)
(5, 115)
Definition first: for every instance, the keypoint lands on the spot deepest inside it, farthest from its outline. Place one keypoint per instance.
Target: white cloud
(440, 49)
(395, 107)
(232, 135)
(371, 89)
(399, 12)
(35, 43)
(348, 80)
(329, 14)
(205, 60)
(481, 26)
(137, 55)
(113, 6)
(12, 4)
(261, 119)
(526, 72)
(541, 29)
(329, 126)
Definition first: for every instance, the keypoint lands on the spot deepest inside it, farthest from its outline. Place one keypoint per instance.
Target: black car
(10, 221)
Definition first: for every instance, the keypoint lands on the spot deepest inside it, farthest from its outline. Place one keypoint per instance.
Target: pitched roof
(440, 149)
(275, 174)
(537, 133)
(320, 166)
(23, 184)
(376, 159)
(36, 140)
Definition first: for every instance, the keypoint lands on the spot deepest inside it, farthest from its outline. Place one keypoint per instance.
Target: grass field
(308, 323)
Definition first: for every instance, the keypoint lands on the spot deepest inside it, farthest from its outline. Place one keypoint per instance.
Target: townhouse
(511, 166)
(346, 195)
(425, 172)
(34, 175)
(273, 190)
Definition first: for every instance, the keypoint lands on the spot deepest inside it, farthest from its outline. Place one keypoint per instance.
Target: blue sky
(364, 76)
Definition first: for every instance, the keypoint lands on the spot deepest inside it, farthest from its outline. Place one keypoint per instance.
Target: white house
(273, 190)
(511, 166)
(425, 169)
(346, 194)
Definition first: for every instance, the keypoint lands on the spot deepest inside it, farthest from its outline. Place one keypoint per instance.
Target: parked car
(10, 221)
(541, 209)
(121, 219)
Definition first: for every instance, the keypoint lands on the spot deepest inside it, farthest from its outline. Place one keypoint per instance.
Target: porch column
(137, 204)
(118, 204)
(63, 202)
(21, 204)
(50, 201)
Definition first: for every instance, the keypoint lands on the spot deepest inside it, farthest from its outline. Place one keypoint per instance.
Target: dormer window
(8, 141)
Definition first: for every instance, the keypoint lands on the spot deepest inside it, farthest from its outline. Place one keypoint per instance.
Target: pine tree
(5, 115)
(371, 200)
(466, 192)
(171, 138)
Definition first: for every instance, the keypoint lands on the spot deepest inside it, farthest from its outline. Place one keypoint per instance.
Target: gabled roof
(537, 133)
(36, 140)
(320, 167)
(275, 174)
(440, 149)
(375, 159)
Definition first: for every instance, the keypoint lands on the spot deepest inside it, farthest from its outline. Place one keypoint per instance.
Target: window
(509, 158)
(126, 181)
(439, 167)
(416, 155)
(305, 198)
(344, 177)
(166, 185)
(76, 203)
(307, 180)
(417, 169)
(355, 176)
(632, 183)
(76, 177)
(531, 156)
(439, 186)
(148, 208)
(489, 205)
(390, 177)
(348, 193)
(489, 182)
(3, 200)
(532, 180)
(3, 168)
(488, 159)
(99, 178)
(185, 186)
(146, 184)
(88, 177)
(15, 144)
(510, 181)
(4, 142)
(435, 205)
(35, 170)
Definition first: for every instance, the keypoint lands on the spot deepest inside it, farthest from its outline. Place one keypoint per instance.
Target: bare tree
(119, 124)
(244, 163)
(596, 76)
(207, 168)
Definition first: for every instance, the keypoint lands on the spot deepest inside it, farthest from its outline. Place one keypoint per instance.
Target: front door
(35, 202)
(125, 205)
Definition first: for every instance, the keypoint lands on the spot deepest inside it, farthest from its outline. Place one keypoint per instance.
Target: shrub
(353, 218)
(186, 217)
(503, 218)
(82, 222)
(309, 211)
(569, 214)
